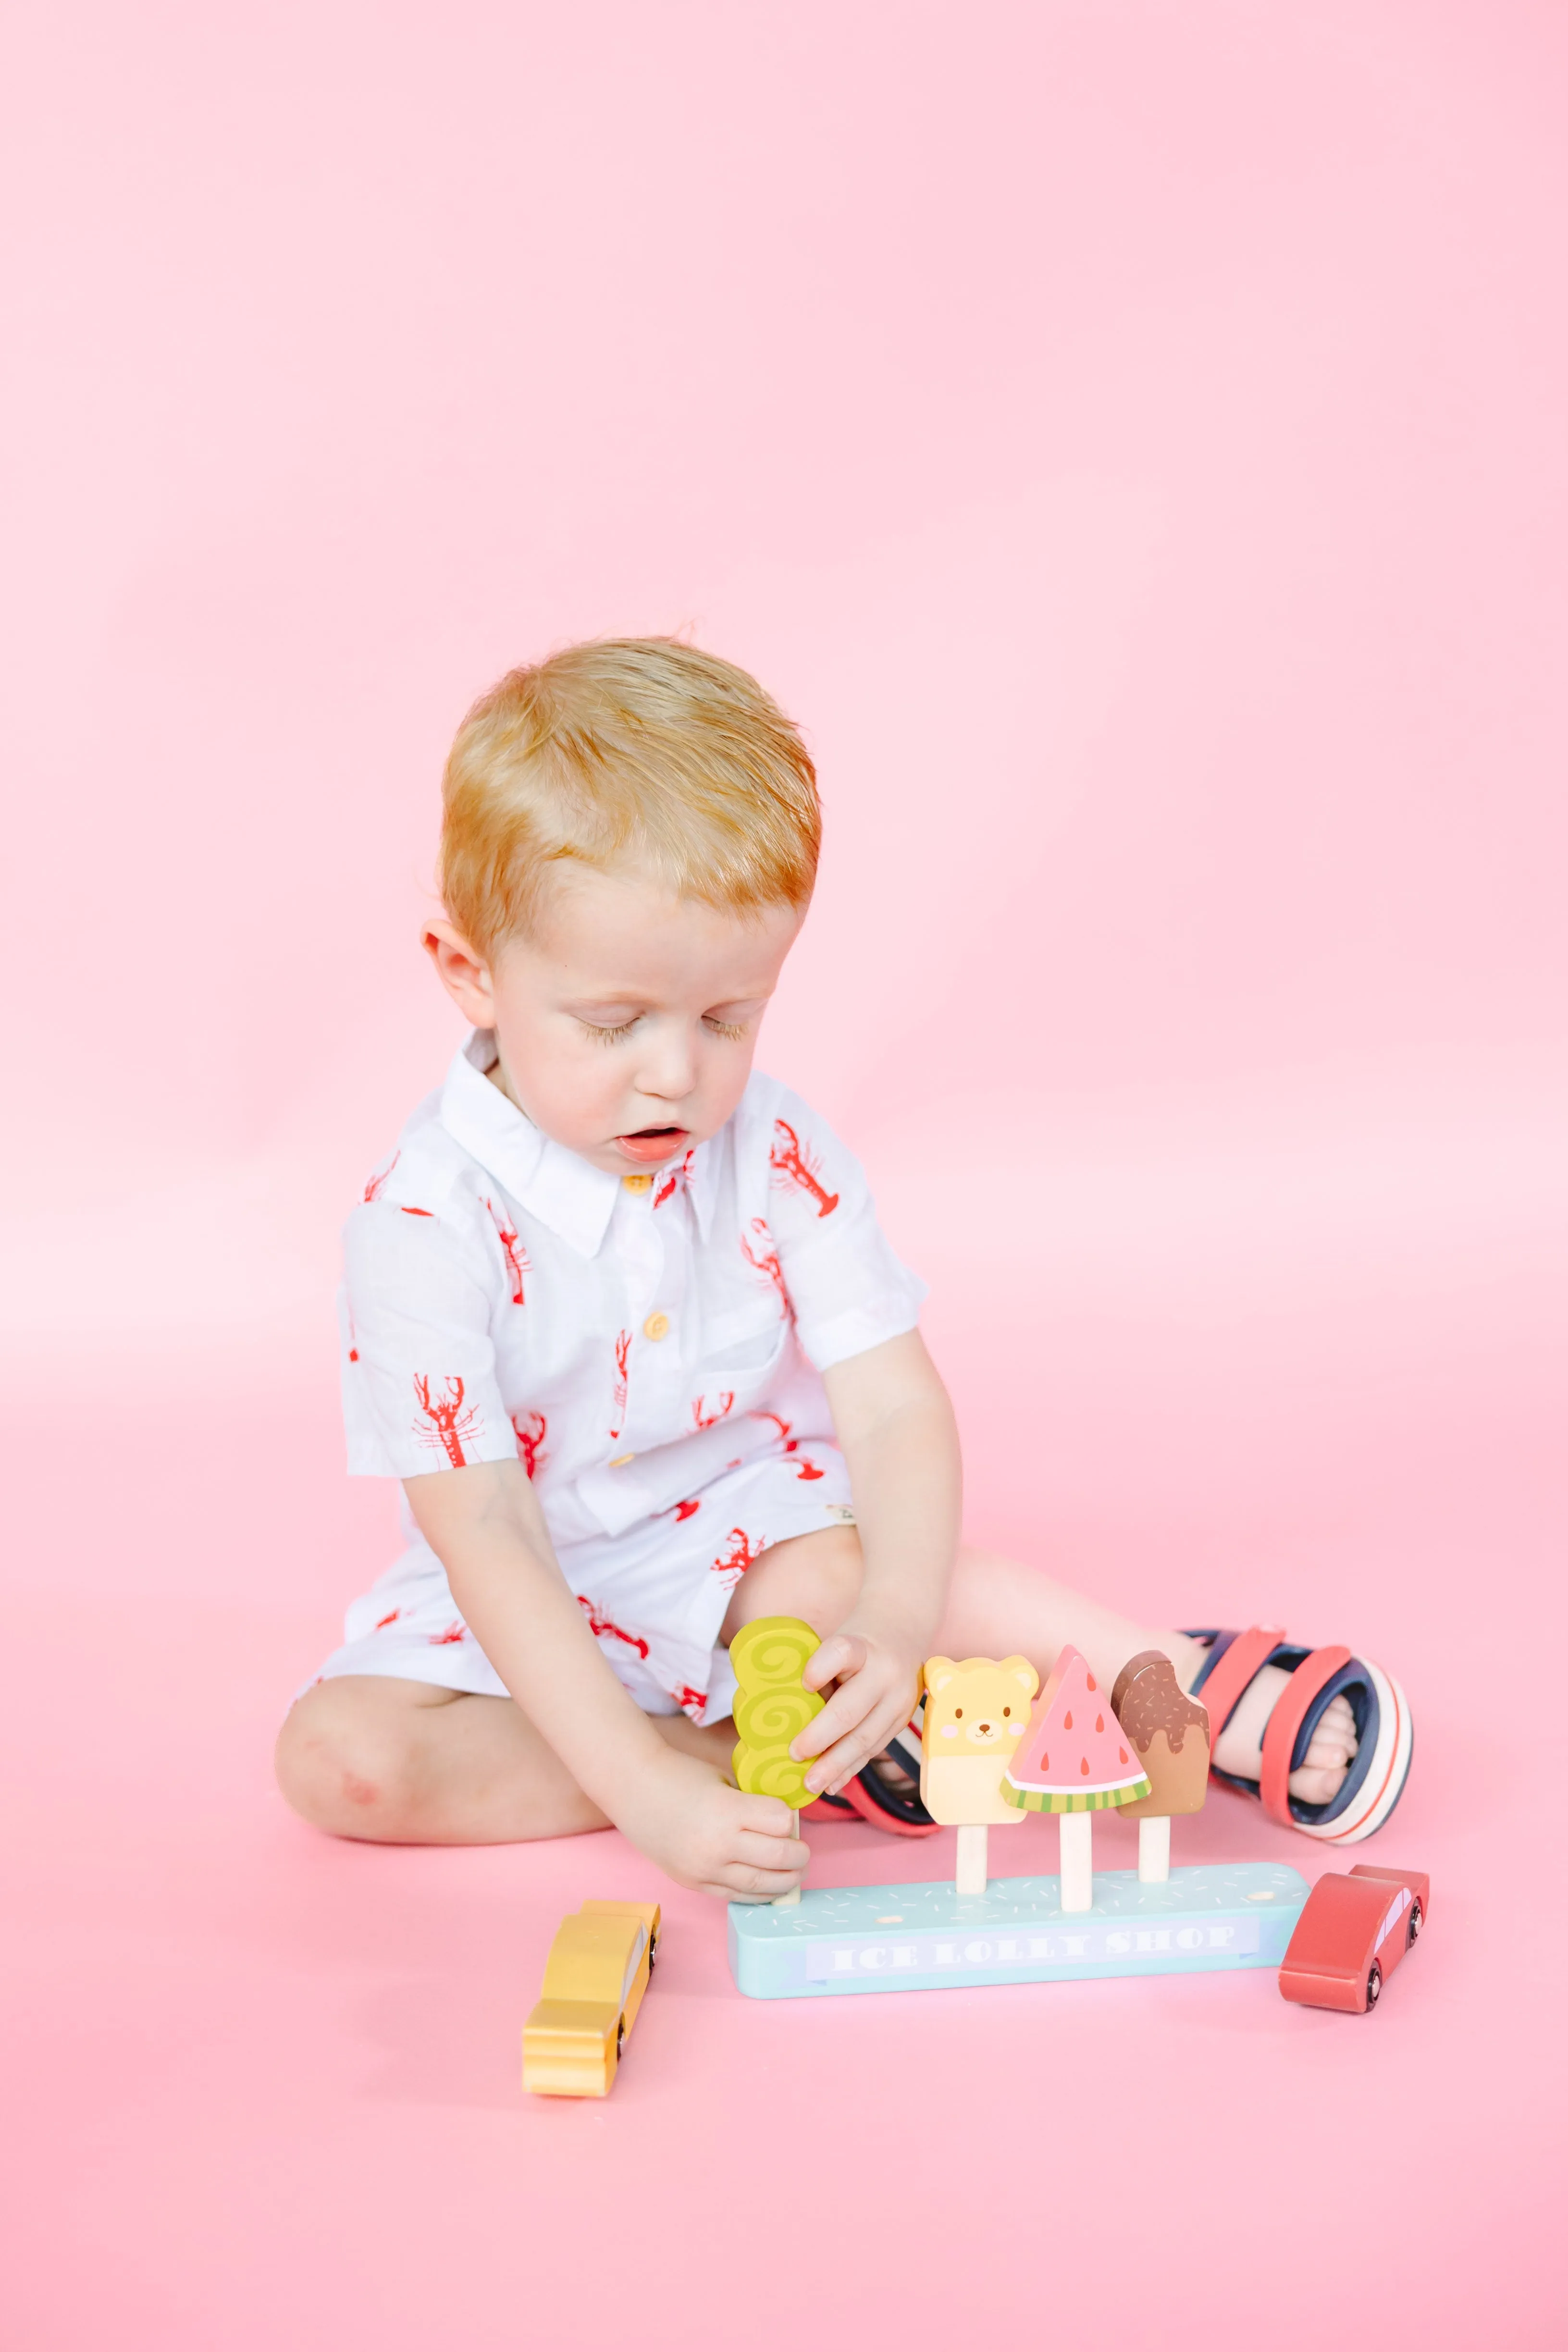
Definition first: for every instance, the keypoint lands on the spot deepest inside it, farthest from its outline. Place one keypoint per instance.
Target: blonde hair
(636, 749)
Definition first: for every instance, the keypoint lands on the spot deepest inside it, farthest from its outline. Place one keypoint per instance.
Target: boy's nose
(669, 1069)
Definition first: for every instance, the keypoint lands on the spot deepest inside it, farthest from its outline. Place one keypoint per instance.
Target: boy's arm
(899, 1441)
(484, 1524)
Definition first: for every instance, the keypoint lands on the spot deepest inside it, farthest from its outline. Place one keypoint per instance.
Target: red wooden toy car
(1352, 1935)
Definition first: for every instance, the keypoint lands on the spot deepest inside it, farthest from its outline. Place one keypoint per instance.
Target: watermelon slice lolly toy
(1074, 1761)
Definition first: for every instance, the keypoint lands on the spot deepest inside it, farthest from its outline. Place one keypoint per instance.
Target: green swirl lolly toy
(771, 1706)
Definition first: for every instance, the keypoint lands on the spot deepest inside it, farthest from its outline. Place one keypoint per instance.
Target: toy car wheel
(652, 1954)
(1374, 1984)
(620, 2038)
(1418, 1921)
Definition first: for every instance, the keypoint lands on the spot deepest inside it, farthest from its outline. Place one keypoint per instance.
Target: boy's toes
(1314, 1784)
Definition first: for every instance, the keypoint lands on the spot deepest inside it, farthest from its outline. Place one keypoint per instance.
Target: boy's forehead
(625, 930)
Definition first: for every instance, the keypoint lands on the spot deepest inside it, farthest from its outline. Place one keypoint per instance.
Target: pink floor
(268, 2092)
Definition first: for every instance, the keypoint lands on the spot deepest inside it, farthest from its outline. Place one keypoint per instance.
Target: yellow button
(619, 1461)
(638, 1183)
(657, 1327)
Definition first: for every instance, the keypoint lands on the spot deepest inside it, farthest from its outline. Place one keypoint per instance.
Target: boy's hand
(704, 1833)
(878, 1684)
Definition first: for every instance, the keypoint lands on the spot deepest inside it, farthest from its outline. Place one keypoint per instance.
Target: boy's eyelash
(613, 1036)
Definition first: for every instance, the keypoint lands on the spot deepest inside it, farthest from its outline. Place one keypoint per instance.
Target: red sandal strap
(1231, 1673)
(1318, 1667)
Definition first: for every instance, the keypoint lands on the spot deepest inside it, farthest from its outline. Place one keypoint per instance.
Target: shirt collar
(574, 1199)
(566, 1193)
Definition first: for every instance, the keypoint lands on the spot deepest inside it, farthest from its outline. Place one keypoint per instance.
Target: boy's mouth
(651, 1144)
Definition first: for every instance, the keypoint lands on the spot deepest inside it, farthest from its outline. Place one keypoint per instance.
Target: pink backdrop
(1131, 439)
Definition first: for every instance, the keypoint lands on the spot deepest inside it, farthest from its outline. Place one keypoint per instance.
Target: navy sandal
(1381, 1765)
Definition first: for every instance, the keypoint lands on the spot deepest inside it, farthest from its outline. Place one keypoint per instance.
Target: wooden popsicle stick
(971, 1876)
(1154, 1849)
(1077, 1861)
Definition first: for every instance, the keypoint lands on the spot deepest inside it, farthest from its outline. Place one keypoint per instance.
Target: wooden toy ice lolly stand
(1075, 1759)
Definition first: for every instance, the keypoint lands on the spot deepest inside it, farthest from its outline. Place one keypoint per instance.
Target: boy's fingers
(844, 1710)
(749, 1883)
(841, 1653)
(848, 1756)
(770, 1817)
(771, 1852)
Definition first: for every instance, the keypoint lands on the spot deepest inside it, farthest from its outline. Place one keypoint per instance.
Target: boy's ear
(465, 974)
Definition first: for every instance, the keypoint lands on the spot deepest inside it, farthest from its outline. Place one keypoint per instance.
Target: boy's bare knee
(344, 1761)
(816, 1577)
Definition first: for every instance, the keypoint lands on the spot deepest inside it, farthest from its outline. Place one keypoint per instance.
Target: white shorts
(655, 1596)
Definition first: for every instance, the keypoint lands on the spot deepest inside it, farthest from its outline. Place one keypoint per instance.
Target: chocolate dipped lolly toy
(771, 1706)
(1169, 1734)
(1074, 1761)
(976, 1711)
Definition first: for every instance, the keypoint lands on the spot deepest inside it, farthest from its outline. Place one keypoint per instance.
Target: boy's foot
(1320, 1776)
(1322, 1738)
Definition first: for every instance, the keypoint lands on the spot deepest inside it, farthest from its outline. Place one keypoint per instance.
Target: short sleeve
(419, 1376)
(848, 1288)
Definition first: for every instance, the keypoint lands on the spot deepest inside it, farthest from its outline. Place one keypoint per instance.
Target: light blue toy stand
(919, 1938)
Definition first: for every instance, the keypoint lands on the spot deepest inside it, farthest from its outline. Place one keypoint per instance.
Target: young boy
(619, 1315)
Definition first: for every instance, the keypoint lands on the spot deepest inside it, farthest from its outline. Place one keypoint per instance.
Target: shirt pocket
(742, 1345)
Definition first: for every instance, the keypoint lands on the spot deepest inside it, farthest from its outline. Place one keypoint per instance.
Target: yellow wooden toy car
(594, 1980)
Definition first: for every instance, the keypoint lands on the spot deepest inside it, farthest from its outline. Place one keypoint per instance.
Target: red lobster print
(598, 1625)
(456, 1632)
(529, 1430)
(795, 1165)
(732, 1565)
(374, 1189)
(449, 1424)
(623, 1349)
(684, 1510)
(391, 1617)
(691, 1702)
(765, 1258)
(682, 1171)
(705, 1420)
(517, 1257)
(804, 1469)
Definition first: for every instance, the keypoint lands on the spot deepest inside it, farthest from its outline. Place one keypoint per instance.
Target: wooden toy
(976, 1711)
(858, 1939)
(1169, 1734)
(772, 1706)
(1074, 1761)
(594, 1980)
(1352, 1936)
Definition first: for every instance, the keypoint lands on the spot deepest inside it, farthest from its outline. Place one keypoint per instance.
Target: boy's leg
(405, 1763)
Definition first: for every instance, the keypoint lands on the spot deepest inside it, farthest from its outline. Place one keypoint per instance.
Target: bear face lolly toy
(771, 1706)
(976, 1711)
(1169, 1734)
(1074, 1762)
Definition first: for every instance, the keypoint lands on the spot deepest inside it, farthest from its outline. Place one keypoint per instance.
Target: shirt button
(638, 1183)
(657, 1327)
(619, 1461)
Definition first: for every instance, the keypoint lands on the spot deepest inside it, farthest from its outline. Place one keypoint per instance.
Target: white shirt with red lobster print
(650, 1347)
